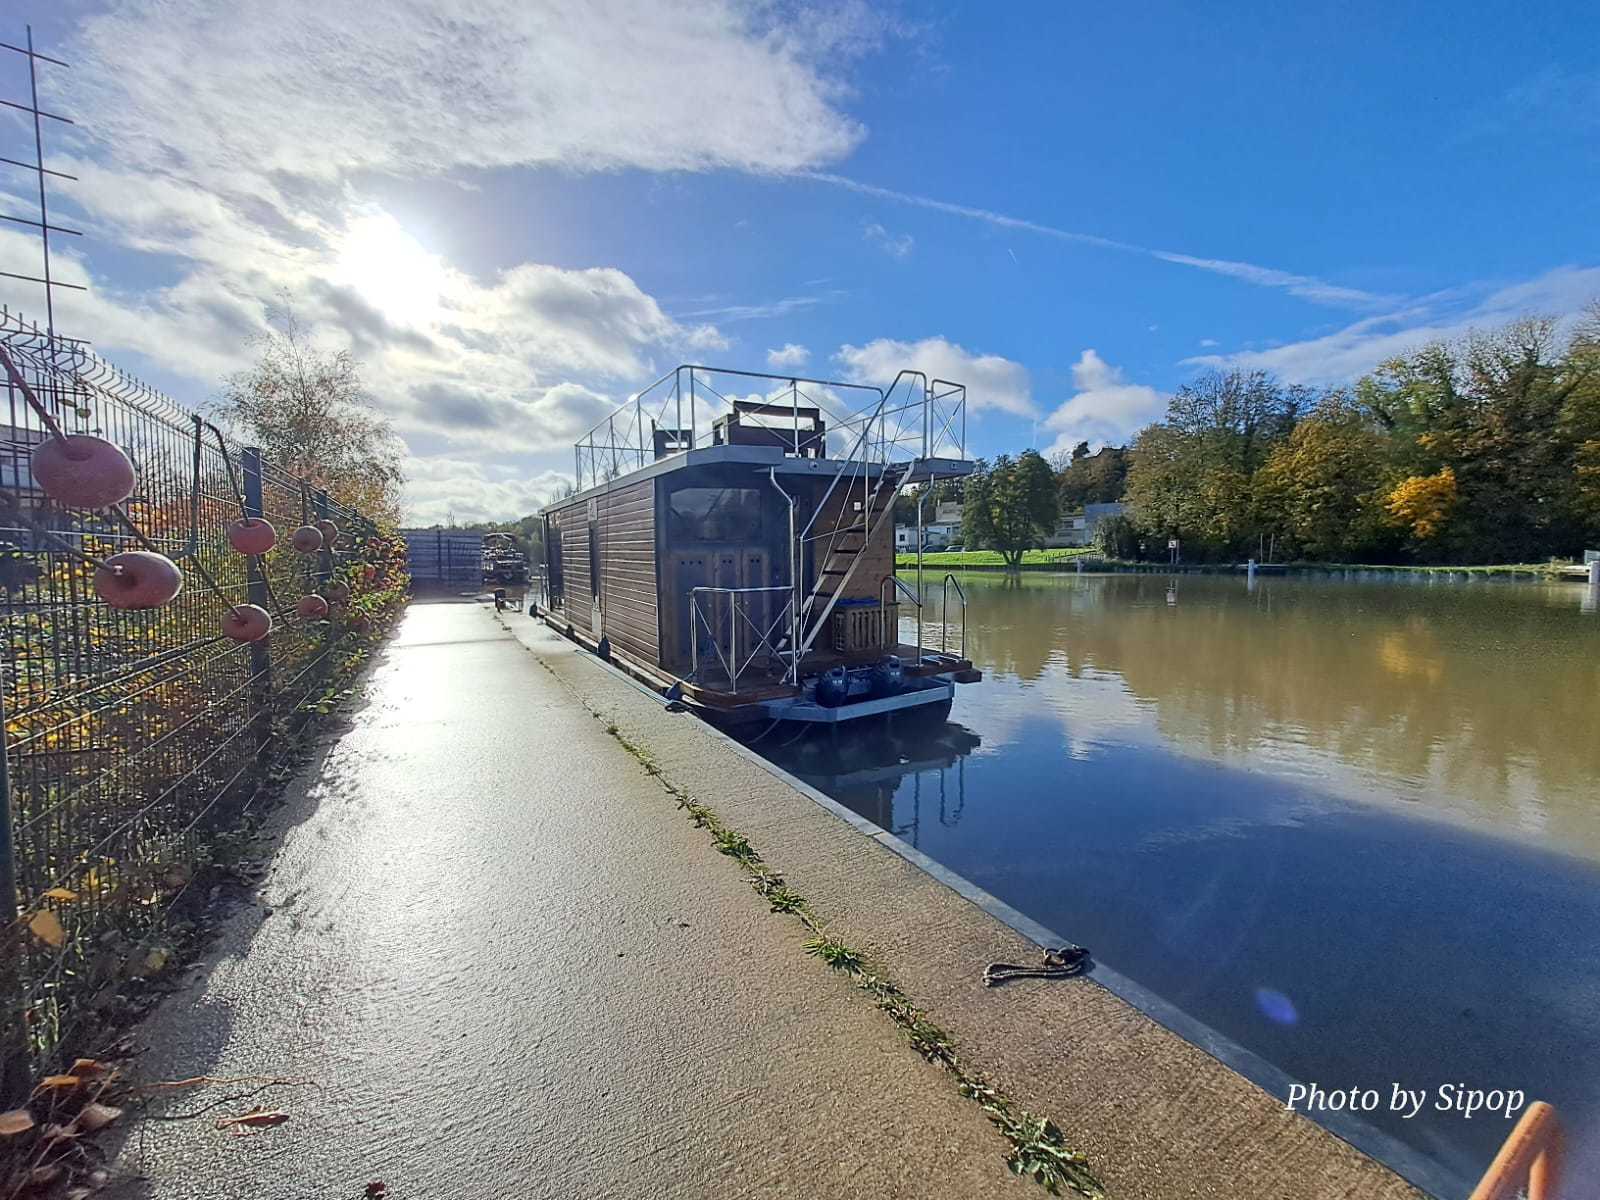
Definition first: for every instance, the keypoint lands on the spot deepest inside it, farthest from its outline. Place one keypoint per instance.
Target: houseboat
(731, 541)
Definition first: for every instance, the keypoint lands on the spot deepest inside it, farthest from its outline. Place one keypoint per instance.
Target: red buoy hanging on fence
(337, 592)
(138, 579)
(312, 608)
(252, 535)
(329, 532)
(307, 539)
(246, 623)
(80, 470)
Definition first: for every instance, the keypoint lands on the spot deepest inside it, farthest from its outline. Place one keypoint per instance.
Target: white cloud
(790, 354)
(238, 149)
(439, 490)
(991, 381)
(1204, 342)
(1105, 410)
(785, 307)
(895, 245)
(319, 90)
(1347, 353)
(1307, 287)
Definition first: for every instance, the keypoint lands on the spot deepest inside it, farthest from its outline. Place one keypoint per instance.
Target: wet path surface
(514, 969)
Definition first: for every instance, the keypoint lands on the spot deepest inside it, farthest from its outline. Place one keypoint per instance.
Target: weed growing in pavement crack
(1038, 1150)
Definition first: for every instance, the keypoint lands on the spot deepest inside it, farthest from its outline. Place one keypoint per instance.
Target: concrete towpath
(516, 969)
(513, 967)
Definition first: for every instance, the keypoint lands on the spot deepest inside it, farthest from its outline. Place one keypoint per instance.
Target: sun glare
(391, 270)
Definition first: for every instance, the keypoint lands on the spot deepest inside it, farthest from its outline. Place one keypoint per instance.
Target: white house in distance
(1074, 529)
(942, 531)
(1079, 528)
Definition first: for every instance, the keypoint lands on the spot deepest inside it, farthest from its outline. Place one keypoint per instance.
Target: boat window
(715, 514)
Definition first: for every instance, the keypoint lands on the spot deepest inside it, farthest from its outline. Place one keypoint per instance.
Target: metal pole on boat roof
(927, 404)
(677, 399)
(693, 427)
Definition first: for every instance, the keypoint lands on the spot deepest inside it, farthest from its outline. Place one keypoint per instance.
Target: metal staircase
(850, 535)
(872, 475)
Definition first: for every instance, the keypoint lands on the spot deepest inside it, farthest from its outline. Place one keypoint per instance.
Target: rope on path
(1058, 963)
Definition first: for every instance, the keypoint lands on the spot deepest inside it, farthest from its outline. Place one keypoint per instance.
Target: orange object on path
(1531, 1157)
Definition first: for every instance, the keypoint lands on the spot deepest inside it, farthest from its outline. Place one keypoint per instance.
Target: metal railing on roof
(689, 408)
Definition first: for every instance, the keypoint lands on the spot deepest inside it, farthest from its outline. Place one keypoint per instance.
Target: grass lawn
(990, 558)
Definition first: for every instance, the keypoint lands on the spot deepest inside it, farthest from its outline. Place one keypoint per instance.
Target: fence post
(256, 593)
(14, 1074)
(319, 505)
(8, 861)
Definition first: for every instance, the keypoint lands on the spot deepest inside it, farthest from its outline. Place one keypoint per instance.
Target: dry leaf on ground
(256, 1118)
(46, 926)
(97, 1116)
(18, 1120)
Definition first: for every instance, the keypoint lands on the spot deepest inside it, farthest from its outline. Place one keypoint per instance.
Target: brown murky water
(1353, 824)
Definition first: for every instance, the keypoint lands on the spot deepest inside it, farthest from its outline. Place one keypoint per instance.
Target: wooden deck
(756, 688)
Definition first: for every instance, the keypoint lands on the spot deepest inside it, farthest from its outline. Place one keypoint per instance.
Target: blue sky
(516, 217)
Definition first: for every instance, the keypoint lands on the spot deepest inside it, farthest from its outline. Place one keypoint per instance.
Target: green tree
(1117, 537)
(311, 414)
(1011, 505)
(1509, 413)
(1321, 490)
(1085, 478)
(1191, 475)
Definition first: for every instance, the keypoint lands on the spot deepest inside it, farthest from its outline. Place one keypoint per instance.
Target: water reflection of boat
(871, 768)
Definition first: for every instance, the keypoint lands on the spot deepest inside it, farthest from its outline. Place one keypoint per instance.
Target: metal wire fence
(132, 737)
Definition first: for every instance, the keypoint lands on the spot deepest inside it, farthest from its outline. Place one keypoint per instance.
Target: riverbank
(1087, 560)
(1155, 1115)
(525, 903)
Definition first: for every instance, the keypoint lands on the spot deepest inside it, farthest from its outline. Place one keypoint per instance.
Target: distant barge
(737, 551)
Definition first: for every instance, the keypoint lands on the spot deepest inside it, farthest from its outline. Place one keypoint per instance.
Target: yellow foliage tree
(1423, 503)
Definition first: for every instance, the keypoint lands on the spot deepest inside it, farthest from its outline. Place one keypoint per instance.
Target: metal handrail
(901, 587)
(944, 613)
(730, 662)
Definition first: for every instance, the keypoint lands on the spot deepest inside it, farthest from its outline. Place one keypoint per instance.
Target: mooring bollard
(1594, 573)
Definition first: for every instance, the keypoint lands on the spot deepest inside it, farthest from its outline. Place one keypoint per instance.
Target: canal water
(1353, 825)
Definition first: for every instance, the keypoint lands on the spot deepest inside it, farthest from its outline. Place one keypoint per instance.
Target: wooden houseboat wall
(624, 559)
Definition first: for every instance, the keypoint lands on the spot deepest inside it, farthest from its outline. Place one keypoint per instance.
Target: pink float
(329, 532)
(138, 579)
(336, 592)
(246, 623)
(312, 608)
(252, 535)
(307, 539)
(83, 471)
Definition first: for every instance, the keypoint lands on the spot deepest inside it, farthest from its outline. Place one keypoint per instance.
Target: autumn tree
(1508, 412)
(1321, 491)
(1010, 505)
(1423, 504)
(1190, 476)
(311, 414)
